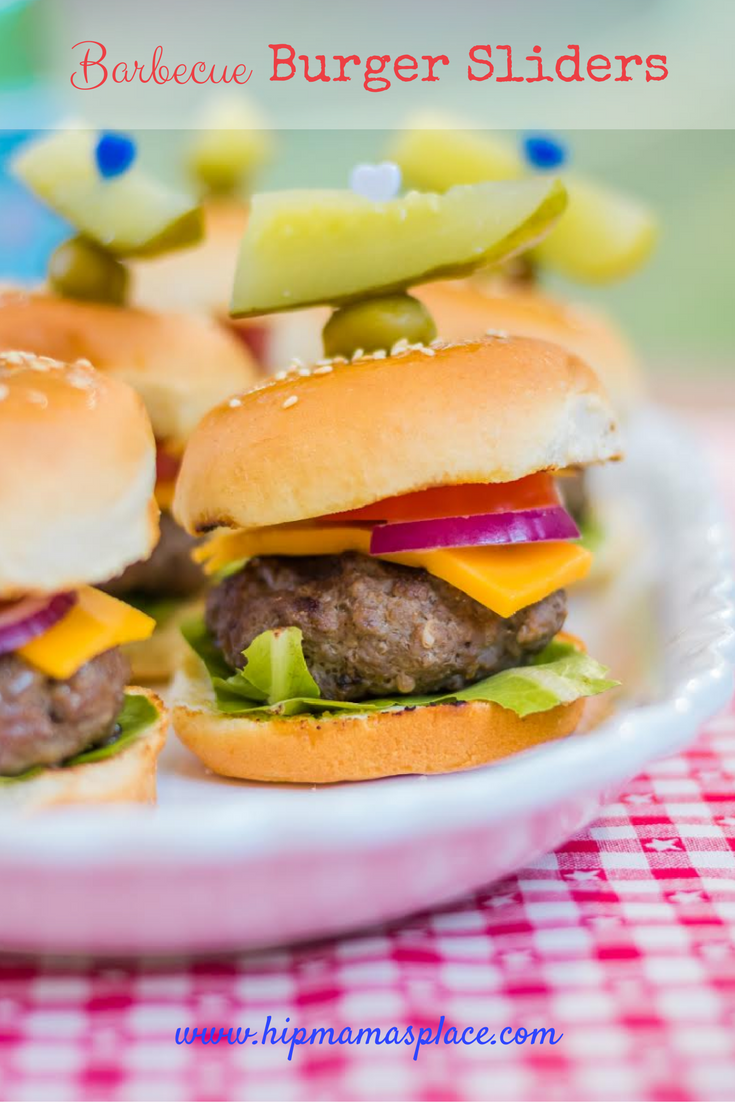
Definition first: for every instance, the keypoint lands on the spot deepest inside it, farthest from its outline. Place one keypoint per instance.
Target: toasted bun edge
(127, 777)
(492, 410)
(442, 738)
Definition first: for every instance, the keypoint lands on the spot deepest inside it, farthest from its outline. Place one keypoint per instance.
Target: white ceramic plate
(224, 865)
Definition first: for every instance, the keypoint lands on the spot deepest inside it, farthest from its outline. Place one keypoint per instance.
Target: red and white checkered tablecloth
(623, 941)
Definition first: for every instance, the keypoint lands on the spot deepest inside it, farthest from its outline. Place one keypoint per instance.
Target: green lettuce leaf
(591, 532)
(275, 680)
(136, 715)
(26, 776)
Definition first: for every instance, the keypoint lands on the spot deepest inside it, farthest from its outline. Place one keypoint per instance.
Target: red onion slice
(528, 526)
(254, 336)
(21, 621)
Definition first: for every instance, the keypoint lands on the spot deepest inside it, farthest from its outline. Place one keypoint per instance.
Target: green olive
(80, 269)
(374, 324)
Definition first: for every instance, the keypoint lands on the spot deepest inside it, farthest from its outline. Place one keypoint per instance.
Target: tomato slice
(167, 465)
(470, 499)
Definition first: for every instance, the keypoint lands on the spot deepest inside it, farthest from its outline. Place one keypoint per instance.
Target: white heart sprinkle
(376, 182)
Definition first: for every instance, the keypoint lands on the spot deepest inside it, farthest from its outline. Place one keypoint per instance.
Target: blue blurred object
(544, 151)
(29, 232)
(114, 154)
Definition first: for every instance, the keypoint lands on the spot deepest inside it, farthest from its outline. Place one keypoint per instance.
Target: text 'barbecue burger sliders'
(77, 471)
(390, 555)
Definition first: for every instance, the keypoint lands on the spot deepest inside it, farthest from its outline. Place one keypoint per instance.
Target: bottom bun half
(303, 749)
(127, 777)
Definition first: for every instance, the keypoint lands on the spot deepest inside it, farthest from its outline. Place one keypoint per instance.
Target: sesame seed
(357, 354)
(379, 354)
(37, 398)
(290, 401)
(304, 372)
(280, 375)
(81, 382)
(323, 370)
(234, 403)
(399, 346)
(296, 363)
(30, 361)
(499, 334)
(4, 391)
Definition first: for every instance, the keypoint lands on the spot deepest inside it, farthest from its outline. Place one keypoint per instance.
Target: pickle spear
(303, 248)
(438, 152)
(604, 235)
(130, 214)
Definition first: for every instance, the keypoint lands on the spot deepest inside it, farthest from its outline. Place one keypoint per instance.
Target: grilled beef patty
(44, 721)
(169, 572)
(373, 628)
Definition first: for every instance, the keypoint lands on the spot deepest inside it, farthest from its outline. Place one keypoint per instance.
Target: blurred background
(678, 309)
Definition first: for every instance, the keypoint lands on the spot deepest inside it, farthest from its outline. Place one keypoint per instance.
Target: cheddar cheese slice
(95, 623)
(504, 579)
(283, 539)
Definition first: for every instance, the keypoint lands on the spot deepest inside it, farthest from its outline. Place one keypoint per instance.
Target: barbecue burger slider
(180, 367)
(465, 309)
(390, 556)
(77, 470)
